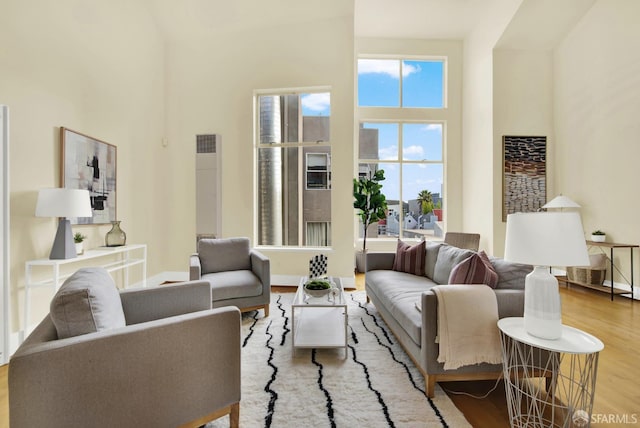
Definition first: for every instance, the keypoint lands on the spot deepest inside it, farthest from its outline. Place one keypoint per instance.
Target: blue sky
(379, 85)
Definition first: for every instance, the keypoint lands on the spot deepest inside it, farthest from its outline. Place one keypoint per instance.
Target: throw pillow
(410, 259)
(87, 302)
(476, 269)
(432, 257)
(448, 257)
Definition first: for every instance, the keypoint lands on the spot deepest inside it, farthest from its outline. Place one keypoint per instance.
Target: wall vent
(206, 143)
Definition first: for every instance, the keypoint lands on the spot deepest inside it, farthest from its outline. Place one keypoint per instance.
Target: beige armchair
(176, 362)
(468, 241)
(238, 275)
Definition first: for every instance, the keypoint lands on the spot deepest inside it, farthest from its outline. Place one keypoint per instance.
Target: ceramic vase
(115, 237)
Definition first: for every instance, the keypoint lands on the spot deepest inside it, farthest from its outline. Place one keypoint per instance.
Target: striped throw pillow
(476, 269)
(410, 259)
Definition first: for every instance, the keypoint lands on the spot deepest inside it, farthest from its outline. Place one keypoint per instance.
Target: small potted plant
(78, 238)
(598, 236)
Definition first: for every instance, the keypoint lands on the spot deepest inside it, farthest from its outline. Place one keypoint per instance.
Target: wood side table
(548, 383)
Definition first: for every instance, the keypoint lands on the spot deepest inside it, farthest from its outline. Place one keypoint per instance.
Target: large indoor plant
(371, 205)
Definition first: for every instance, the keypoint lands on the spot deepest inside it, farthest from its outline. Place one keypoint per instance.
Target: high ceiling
(420, 19)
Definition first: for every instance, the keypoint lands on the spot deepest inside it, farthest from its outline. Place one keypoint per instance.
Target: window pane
(379, 141)
(422, 84)
(318, 234)
(422, 141)
(418, 181)
(378, 83)
(280, 118)
(284, 203)
(316, 111)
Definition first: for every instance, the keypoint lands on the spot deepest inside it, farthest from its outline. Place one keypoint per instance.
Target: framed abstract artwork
(524, 180)
(89, 163)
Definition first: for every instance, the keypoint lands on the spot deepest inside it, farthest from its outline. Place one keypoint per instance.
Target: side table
(548, 383)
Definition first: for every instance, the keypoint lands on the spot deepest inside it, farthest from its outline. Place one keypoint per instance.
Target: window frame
(401, 115)
(300, 145)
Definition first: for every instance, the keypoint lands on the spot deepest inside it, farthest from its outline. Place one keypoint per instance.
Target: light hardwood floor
(616, 323)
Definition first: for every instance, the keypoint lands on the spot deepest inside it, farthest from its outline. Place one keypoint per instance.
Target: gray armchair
(238, 275)
(176, 362)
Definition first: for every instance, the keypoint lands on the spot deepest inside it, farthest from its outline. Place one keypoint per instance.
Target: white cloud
(413, 151)
(387, 153)
(385, 66)
(433, 127)
(317, 101)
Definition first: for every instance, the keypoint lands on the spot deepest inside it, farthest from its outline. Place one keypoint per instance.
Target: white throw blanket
(467, 325)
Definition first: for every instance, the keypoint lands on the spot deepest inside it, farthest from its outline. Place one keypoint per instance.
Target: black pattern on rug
(373, 385)
(274, 395)
(326, 393)
(393, 356)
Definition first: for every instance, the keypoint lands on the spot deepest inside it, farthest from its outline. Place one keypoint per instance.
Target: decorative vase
(79, 248)
(116, 236)
(598, 238)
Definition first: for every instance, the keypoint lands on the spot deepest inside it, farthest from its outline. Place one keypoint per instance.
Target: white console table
(117, 258)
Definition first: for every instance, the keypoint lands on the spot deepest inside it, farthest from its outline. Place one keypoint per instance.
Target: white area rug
(377, 385)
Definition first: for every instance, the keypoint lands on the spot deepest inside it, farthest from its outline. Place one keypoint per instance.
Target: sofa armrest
(195, 267)
(261, 267)
(148, 304)
(380, 261)
(510, 304)
(184, 359)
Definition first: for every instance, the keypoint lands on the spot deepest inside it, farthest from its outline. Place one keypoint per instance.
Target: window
(318, 171)
(400, 83)
(293, 174)
(318, 234)
(406, 138)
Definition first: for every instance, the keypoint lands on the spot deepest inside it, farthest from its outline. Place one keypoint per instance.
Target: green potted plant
(79, 238)
(371, 205)
(598, 236)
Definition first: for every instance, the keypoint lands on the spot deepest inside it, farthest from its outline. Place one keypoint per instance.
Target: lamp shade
(62, 202)
(546, 239)
(561, 201)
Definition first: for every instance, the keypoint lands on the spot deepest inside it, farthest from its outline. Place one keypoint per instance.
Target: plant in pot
(371, 205)
(598, 236)
(79, 238)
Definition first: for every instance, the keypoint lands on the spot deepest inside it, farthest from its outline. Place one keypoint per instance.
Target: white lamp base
(542, 308)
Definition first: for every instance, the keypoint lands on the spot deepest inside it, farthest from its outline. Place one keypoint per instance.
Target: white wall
(596, 104)
(481, 164)
(522, 105)
(210, 87)
(97, 68)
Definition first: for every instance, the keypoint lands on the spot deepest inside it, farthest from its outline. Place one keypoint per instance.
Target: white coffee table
(319, 322)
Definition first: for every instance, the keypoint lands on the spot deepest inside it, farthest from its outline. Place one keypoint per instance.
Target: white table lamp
(544, 239)
(561, 202)
(63, 203)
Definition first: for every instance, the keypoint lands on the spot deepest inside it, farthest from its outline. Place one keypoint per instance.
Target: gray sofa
(395, 295)
(152, 357)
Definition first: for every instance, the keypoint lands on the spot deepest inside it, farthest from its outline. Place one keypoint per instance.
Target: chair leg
(234, 416)
(266, 310)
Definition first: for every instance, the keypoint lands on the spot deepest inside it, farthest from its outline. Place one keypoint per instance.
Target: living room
(149, 76)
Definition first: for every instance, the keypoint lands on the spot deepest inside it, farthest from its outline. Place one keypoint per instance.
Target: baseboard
(280, 280)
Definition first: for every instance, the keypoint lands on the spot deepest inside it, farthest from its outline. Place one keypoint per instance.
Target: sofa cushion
(448, 257)
(87, 302)
(410, 258)
(219, 255)
(398, 292)
(233, 284)
(510, 275)
(476, 269)
(432, 249)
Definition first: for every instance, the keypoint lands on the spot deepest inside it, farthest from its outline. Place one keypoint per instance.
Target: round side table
(548, 383)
